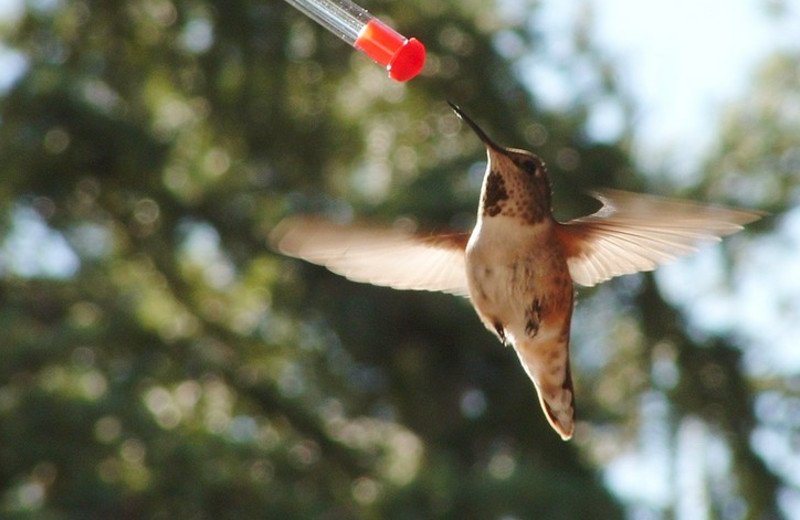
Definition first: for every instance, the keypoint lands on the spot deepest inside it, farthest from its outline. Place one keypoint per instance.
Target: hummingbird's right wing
(634, 232)
(380, 256)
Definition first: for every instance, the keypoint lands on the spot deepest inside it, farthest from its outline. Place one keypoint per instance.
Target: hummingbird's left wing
(380, 256)
(634, 232)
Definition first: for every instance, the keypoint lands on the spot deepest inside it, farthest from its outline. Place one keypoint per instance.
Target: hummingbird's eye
(530, 165)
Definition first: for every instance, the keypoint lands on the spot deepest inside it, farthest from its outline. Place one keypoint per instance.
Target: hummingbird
(519, 265)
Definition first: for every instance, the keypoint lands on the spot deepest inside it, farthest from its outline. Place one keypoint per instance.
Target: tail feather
(558, 404)
(546, 361)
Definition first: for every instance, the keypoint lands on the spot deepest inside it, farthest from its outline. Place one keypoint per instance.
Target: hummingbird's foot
(501, 332)
(533, 318)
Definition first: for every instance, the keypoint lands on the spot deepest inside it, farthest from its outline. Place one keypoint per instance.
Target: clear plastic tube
(402, 57)
(344, 19)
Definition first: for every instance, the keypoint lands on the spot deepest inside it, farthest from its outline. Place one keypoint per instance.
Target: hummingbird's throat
(494, 194)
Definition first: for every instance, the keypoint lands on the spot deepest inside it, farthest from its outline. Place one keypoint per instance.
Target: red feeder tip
(403, 58)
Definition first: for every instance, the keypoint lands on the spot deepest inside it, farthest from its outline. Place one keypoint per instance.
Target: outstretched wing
(386, 257)
(634, 232)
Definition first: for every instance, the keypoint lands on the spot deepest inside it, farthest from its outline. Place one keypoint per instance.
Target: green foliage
(185, 371)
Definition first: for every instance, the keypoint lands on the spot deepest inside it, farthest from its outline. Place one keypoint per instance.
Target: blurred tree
(178, 369)
(159, 362)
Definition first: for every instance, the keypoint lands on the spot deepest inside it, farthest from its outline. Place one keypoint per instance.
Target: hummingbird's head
(515, 183)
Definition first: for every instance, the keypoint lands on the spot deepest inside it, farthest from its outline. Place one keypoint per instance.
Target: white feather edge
(379, 256)
(634, 232)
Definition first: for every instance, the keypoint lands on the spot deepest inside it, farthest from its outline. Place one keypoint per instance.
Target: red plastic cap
(403, 58)
(408, 61)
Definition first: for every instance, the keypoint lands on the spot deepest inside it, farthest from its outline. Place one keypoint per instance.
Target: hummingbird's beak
(475, 128)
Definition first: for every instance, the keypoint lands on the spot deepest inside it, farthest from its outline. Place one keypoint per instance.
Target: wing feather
(379, 256)
(634, 232)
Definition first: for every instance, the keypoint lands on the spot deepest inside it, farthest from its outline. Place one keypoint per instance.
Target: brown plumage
(518, 265)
